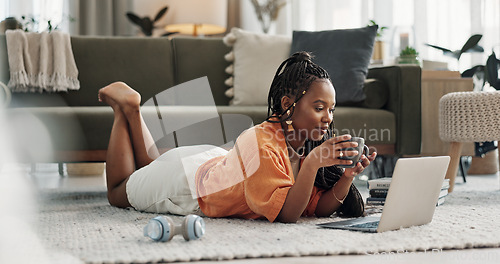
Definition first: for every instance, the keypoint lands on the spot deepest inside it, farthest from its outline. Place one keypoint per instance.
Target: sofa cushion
(199, 57)
(255, 58)
(344, 53)
(376, 126)
(146, 64)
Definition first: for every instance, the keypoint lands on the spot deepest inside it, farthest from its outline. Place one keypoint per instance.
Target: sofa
(77, 126)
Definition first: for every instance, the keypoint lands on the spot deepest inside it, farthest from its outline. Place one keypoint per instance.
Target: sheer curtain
(41, 10)
(100, 17)
(88, 17)
(446, 23)
(4, 7)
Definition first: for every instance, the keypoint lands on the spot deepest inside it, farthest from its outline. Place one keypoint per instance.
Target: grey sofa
(79, 126)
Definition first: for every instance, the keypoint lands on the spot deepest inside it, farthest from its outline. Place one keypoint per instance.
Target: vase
(378, 51)
(10, 23)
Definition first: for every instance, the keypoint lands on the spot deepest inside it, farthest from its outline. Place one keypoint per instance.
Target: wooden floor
(46, 176)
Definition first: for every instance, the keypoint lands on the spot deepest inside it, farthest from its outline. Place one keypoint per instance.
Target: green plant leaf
(409, 51)
(471, 42)
(492, 66)
(134, 18)
(160, 14)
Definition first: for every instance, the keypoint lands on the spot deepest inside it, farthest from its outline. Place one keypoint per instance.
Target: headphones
(162, 228)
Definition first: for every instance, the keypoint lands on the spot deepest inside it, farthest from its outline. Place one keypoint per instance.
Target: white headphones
(162, 228)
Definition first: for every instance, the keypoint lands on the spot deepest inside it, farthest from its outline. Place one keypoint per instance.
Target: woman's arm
(334, 198)
(299, 194)
(331, 200)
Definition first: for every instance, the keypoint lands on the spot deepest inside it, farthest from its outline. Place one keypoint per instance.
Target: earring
(162, 228)
(290, 126)
(289, 122)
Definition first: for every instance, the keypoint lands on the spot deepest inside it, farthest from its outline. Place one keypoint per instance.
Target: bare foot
(108, 100)
(119, 94)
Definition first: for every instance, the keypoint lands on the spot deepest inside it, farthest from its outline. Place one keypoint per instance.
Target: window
(4, 6)
(445, 23)
(42, 10)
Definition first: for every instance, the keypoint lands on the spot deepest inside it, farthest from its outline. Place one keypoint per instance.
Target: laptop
(411, 199)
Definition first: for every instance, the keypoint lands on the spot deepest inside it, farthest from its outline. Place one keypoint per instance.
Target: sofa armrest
(404, 84)
(4, 62)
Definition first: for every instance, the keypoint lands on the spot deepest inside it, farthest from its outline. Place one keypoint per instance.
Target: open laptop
(411, 199)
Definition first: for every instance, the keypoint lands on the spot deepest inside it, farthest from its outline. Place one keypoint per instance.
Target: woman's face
(314, 112)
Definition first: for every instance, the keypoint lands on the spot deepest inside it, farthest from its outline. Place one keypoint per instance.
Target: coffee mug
(362, 149)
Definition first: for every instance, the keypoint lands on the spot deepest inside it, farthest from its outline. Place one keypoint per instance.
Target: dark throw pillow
(344, 53)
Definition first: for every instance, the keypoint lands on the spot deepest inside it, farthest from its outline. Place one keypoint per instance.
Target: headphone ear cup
(193, 227)
(160, 228)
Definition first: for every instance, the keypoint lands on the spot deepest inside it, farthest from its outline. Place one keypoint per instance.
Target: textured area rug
(85, 226)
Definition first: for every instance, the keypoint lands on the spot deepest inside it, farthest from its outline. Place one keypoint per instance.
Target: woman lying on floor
(279, 170)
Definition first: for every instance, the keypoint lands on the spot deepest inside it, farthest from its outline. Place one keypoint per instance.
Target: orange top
(252, 180)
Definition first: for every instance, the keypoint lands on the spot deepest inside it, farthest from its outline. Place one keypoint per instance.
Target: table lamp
(197, 17)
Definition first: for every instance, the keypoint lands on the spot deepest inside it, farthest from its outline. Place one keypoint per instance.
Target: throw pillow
(255, 58)
(344, 53)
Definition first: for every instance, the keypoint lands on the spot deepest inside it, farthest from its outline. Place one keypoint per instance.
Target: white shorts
(167, 185)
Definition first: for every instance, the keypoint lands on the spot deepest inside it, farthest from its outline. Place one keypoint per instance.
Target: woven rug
(85, 226)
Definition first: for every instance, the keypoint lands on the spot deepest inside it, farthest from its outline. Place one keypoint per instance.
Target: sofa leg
(61, 169)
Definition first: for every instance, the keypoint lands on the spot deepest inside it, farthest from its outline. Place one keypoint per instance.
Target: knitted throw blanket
(41, 62)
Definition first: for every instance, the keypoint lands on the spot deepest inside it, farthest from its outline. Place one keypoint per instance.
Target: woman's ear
(286, 102)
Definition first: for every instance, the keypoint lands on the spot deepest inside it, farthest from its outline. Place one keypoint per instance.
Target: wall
(241, 14)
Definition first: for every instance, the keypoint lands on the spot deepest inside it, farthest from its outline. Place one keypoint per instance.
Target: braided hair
(293, 78)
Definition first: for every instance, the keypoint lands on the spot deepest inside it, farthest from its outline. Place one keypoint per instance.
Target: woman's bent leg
(120, 162)
(129, 141)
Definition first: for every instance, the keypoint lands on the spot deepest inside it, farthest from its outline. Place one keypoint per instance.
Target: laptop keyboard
(366, 225)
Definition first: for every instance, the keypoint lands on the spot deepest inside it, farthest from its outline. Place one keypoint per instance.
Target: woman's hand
(331, 151)
(360, 166)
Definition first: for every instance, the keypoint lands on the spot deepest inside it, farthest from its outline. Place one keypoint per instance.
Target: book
(378, 189)
(380, 183)
(379, 193)
(375, 201)
(440, 201)
(443, 193)
(382, 193)
(446, 184)
(385, 183)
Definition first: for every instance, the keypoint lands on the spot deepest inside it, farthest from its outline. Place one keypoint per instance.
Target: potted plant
(487, 79)
(147, 24)
(379, 45)
(408, 56)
